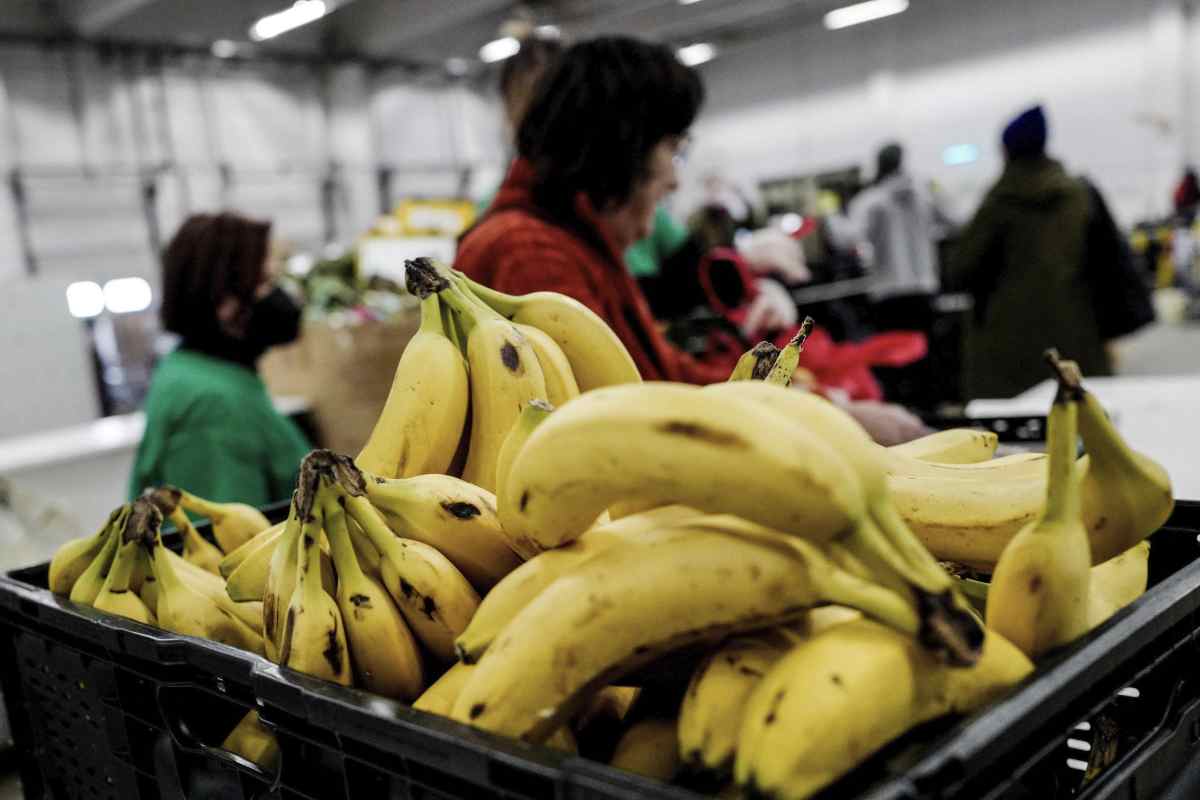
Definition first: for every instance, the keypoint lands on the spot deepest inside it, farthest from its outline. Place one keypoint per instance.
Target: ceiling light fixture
(85, 299)
(123, 295)
(548, 31)
(863, 12)
(688, 2)
(499, 49)
(696, 54)
(300, 13)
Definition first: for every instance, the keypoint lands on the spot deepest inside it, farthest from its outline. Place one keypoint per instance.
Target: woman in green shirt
(210, 424)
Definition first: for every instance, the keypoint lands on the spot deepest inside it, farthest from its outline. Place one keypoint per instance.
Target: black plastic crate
(102, 707)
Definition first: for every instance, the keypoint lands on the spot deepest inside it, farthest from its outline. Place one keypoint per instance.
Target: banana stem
(506, 305)
(789, 358)
(200, 506)
(421, 277)
(370, 520)
(765, 355)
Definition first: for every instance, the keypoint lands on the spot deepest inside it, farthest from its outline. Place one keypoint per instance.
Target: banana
(627, 605)
(426, 409)
(953, 446)
(711, 714)
(248, 582)
(879, 538)
(234, 559)
(116, 595)
(1038, 598)
(435, 598)
(281, 578)
(650, 749)
(556, 369)
(663, 443)
(314, 634)
(89, 584)
(505, 375)
(597, 356)
(253, 742)
(533, 414)
(755, 364)
(233, 524)
(385, 655)
(526, 582)
(196, 548)
(368, 556)
(249, 613)
(71, 559)
(456, 517)
(837, 697)
(440, 696)
(1126, 495)
(789, 357)
(182, 608)
(1117, 582)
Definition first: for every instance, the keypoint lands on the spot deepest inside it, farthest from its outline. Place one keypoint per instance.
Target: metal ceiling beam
(90, 17)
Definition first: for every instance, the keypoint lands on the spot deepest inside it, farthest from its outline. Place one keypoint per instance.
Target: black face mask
(274, 320)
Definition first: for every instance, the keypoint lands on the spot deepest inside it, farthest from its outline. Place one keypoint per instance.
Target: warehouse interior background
(120, 117)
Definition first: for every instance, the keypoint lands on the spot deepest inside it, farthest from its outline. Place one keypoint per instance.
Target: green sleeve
(668, 235)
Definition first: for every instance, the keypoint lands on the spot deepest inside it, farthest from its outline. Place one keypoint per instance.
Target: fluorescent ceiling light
(85, 299)
(224, 48)
(696, 54)
(301, 12)
(548, 31)
(687, 2)
(863, 12)
(123, 295)
(499, 49)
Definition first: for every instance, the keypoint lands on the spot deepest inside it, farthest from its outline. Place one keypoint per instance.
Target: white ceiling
(415, 31)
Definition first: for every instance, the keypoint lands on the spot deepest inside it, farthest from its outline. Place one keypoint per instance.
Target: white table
(1159, 416)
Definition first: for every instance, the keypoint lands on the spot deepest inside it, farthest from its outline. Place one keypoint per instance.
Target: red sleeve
(527, 267)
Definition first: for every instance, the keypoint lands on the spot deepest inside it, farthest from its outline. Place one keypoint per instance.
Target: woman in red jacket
(597, 152)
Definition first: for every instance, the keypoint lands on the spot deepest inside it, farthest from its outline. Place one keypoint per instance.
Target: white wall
(1113, 75)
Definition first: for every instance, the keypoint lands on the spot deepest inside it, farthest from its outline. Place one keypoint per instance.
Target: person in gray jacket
(900, 223)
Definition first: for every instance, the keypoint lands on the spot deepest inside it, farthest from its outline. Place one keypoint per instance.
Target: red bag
(845, 366)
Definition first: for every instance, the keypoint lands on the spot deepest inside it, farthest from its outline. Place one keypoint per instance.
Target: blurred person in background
(1023, 260)
(901, 224)
(210, 424)
(597, 153)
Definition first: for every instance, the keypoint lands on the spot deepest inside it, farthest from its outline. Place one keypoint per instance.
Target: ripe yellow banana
(456, 517)
(250, 613)
(385, 655)
(664, 443)
(596, 355)
(196, 548)
(879, 538)
(755, 364)
(1126, 496)
(650, 749)
(838, 696)
(72, 559)
(711, 715)
(440, 696)
(184, 609)
(435, 598)
(89, 584)
(233, 524)
(526, 582)
(505, 375)
(1038, 598)
(233, 560)
(627, 605)
(253, 742)
(314, 634)
(533, 414)
(426, 409)
(1118, 582)
(249, 581)
(953, 446)
(281, 580)
(116, 596)
(556, 369)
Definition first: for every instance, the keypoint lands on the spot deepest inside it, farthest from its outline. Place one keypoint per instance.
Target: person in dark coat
(1023, 259)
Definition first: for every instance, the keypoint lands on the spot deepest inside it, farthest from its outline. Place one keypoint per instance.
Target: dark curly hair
(598, 114)
(211, 257)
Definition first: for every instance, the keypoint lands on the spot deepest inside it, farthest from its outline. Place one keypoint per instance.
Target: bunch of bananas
(477, 359)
